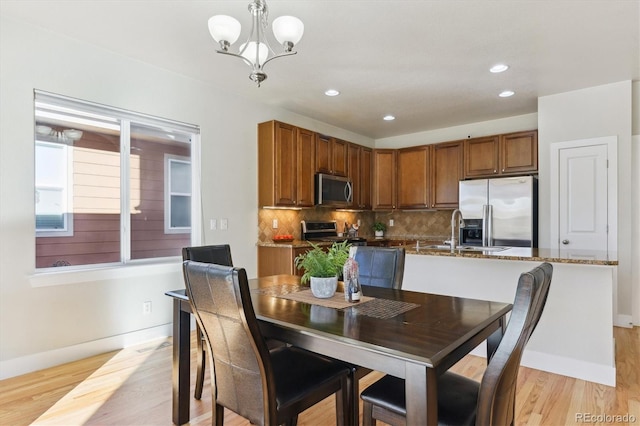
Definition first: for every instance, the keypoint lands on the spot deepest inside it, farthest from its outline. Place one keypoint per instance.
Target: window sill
(46, 279)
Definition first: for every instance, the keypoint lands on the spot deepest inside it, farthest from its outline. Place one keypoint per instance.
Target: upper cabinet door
(366, 158)
(413, 177)
(306, 170)
(519, 152)
(481, 156)
(384, 175)
(331, 155)
(339, 155)
(323, 153)
(446, 172)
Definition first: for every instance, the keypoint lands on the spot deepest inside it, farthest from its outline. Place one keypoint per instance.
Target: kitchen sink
(458, 248)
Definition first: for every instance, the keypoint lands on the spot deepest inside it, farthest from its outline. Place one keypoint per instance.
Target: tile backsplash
(433, 225)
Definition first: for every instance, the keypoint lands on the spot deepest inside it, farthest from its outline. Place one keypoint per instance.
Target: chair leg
(367, 414)
(218, 415)
(202, 362)
(344, 406)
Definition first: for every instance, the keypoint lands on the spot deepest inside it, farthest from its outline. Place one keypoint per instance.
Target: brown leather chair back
(496, 400)
(218, 254)
(221, 302)
(380, 266)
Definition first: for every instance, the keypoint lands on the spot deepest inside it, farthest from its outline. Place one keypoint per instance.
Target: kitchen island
(575, 334)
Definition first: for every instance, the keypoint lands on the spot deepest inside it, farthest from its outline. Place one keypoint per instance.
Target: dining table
(411, 335)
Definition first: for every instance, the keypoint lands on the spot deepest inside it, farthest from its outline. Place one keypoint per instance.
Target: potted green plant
(322, 267)
(379, 229)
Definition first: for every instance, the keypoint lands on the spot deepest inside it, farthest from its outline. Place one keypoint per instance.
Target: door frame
(612, 187)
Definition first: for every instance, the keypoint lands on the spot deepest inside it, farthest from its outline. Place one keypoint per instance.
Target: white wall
(42, 326)
(582, 114)
(472, 130)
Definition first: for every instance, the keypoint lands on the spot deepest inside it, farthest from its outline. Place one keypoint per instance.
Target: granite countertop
(581, 257)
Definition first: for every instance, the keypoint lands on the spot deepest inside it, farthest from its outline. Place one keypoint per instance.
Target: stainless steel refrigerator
(500, 212)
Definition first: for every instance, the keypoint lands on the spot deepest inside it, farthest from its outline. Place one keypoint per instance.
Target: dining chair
(379, 266)
(462, 401)
(220, 255)
(267, 387)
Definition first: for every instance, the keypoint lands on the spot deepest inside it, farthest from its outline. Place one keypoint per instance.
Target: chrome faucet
(453, 227)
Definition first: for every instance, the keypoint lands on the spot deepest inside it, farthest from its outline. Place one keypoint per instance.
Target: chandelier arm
(245, 60)
(278, 56)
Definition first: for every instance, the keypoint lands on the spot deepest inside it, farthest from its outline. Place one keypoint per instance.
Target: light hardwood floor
(133, 387)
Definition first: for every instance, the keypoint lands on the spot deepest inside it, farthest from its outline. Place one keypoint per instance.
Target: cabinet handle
(502, 170)
(495, 171)
(565, 242)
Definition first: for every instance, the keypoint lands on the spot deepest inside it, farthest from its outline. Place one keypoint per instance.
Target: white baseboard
(34, 362)
(564, 366)
(625, 321)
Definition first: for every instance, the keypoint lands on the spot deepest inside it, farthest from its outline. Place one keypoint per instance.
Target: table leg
(421, 390)
(181, 361)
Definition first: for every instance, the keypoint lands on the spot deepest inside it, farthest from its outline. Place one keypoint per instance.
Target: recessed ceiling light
(506, 93)
(332, 92)
(388, 118)
(499, 68)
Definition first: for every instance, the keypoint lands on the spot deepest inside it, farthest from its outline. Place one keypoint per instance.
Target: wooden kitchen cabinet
(384, 179)
(446, 173)
(519, 152)
(508, 154)
(481, 156)
(285, 168)
(279, 260)
(413, 166)
(366, 168)
(359, 172)
(331, 155)
(428, 176)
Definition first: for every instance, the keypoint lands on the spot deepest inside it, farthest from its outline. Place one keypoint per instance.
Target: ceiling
(425, 62)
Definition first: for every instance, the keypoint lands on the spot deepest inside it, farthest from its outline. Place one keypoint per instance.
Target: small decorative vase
(323, 288)
(379, 234)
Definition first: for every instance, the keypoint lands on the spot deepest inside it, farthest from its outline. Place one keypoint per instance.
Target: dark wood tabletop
(416, 345)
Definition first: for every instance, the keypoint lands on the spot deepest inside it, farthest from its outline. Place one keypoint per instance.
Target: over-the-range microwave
(335, 191)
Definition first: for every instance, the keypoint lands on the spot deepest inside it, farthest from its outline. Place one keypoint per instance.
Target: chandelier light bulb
(224, 28)
(249, 52)
(288, 29)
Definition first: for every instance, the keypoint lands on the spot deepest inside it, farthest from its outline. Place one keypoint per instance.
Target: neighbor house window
(53, 190)
(111, 186)
(177, 195)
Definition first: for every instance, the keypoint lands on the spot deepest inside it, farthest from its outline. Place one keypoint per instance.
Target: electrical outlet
(390, 222)
(146, 307)
(224, 225)
(274, 224)
(359, 223)
(213, 224)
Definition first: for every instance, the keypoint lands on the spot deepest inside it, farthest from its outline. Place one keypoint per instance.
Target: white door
(582, 198)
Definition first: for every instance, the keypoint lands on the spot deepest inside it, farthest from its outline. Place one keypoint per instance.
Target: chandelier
(256, 51)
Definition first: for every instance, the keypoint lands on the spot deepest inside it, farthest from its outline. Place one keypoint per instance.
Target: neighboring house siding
(96, 205)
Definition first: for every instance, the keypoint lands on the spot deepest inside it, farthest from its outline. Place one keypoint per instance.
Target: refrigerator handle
(485, 225)
(489, 225)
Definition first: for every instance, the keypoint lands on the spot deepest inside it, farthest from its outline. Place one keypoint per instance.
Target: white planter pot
(379, 233)
(323, 288)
